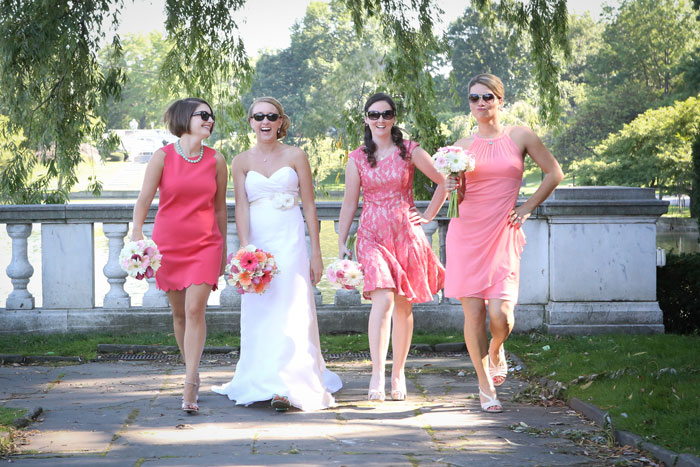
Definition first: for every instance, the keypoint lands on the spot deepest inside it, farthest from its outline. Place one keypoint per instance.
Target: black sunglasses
(387, 114)
(260, 116)
(488, 97)
(205, 115)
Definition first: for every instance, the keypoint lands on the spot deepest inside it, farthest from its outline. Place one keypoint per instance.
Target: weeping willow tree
(54, 91)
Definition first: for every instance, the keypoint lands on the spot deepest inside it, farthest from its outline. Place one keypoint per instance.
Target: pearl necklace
(182, 153)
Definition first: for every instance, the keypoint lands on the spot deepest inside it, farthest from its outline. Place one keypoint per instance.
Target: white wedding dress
(280, 349)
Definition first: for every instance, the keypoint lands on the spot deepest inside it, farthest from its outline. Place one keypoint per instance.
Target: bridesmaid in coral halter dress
(485, 242)
(189, 229)
(400, 266)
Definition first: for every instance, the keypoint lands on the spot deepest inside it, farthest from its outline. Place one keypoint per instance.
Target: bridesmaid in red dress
(189, 229)
(485, 242)
(400, 267)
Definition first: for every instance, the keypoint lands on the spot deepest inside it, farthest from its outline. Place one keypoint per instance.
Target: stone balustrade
(589, 266)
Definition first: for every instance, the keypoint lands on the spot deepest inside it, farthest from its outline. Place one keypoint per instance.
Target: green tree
(545, 22)
(477, 47)
(620, 68)
(142, 98)
(52, 88)
(644, 41)
(654, 150)
(51, 84)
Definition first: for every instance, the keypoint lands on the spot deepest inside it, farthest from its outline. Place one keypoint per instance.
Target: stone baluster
(19, 270)
(344, 297)
(229, 296)
(116, 276)
(153, 298)
(442, 234)
(429, 229)
(318, 298)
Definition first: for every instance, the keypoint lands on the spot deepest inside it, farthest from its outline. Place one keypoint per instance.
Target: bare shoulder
(294, 152)
(158, 158)
(519, 133)
(240, 161)
(465, 142)
(219, 157)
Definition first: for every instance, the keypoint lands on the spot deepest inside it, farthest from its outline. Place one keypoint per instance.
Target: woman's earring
(278, 132)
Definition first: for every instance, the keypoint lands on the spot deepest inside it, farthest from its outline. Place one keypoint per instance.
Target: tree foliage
(654, 150)
(52, 88)
(477, 47)
(546, 23)
(621, 67)
(142, 97)
(208, 57)
(644, 41)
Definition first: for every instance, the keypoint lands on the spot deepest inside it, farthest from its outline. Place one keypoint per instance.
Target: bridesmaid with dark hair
(400, 267)
(189, 229)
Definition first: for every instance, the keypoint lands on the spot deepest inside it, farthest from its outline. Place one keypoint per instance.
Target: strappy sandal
(189, 407)
(375, 395)
(399, 394)
(492, 404)
(196, 388)
(499, 373)
(280, 403)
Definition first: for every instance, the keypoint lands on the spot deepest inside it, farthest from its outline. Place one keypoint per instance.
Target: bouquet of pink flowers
(453, 160)
(345, 274)
(250, 270)
(140, 259)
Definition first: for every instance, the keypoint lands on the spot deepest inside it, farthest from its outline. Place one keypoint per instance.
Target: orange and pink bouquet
(250, 270)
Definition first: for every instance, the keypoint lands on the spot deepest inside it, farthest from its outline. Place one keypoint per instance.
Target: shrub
(678, 292)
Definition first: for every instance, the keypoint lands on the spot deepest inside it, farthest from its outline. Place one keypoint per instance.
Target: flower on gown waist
(283, 201)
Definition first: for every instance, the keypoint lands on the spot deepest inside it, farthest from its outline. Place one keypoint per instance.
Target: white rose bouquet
(453, 160)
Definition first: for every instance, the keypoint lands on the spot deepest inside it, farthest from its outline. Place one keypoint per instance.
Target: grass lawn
(85, 345)
(7, 432)
(650, 385)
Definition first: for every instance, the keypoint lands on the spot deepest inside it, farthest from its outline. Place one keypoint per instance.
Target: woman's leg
(401, 335)
(477, 343)
(176, 298)
(379, 330)
(195, 334)
(501, 321)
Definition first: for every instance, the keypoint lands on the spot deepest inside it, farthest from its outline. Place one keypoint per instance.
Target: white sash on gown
(280, 348)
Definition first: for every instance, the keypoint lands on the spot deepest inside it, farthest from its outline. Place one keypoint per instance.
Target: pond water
(678, 242)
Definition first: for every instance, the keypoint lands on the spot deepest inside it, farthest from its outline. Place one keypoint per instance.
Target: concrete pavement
(127, 414)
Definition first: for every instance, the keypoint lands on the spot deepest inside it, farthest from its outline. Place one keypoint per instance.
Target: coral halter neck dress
(483, 249)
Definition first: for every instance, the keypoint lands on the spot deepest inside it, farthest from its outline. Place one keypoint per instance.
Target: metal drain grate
(140, 356)
(327, 356)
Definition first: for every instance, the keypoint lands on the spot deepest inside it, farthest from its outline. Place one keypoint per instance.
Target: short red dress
(483, 249)
(394, 253)
(185, 229)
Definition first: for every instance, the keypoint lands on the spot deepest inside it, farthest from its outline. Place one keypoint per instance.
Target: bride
(280, 357)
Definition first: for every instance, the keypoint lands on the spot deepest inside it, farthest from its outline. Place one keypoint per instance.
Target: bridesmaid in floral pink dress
(400, 267)
(484, 243)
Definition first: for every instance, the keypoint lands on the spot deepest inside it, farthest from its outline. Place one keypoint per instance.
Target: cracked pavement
(128, 413)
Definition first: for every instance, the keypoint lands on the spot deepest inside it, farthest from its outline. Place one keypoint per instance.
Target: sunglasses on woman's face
(205, 115)
(375, 114)
(259, 117)
(488, 97)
